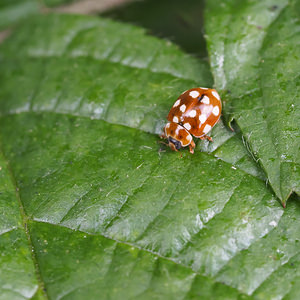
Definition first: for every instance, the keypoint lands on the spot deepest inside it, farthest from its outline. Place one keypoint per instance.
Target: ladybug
(195, 112)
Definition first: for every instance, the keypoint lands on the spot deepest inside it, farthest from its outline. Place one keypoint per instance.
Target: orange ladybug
(195, 112)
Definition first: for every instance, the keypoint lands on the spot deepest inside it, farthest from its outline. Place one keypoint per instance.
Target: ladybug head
(177, 136)
(174, 144)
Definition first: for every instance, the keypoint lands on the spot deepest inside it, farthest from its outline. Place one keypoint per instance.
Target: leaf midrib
(24, 219)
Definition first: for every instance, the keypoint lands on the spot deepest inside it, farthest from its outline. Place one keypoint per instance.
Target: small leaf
(254, 50)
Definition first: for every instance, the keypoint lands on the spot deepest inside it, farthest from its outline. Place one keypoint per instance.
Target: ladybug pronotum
(195, 112)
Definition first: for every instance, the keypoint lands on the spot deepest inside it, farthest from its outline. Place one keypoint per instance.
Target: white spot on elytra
(216, 110)
(189, 137)
(215, 94)
(192, 113)
(205, 100)
(206, 129)
(187, 126)
(207, 109)
(176, 103)
(203, 88)
(168, 125)
(182, 108)
(175, 120)
(194, 94)
(202, 118)
(177, 130)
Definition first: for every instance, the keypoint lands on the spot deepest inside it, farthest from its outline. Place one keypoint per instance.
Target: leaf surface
(104, 208)
(12, 11)
(254, 52)
(17, 272)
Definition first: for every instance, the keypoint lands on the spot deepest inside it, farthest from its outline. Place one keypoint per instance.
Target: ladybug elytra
(195, 113)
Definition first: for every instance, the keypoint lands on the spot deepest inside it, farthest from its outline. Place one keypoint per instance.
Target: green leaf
(102, 207)
(254, 51)
(12, 11)
(18, 280)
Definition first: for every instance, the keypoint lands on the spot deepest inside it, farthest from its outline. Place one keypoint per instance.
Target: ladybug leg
(192, 147)
(206, 137)
(164, 143)
(163, 136)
